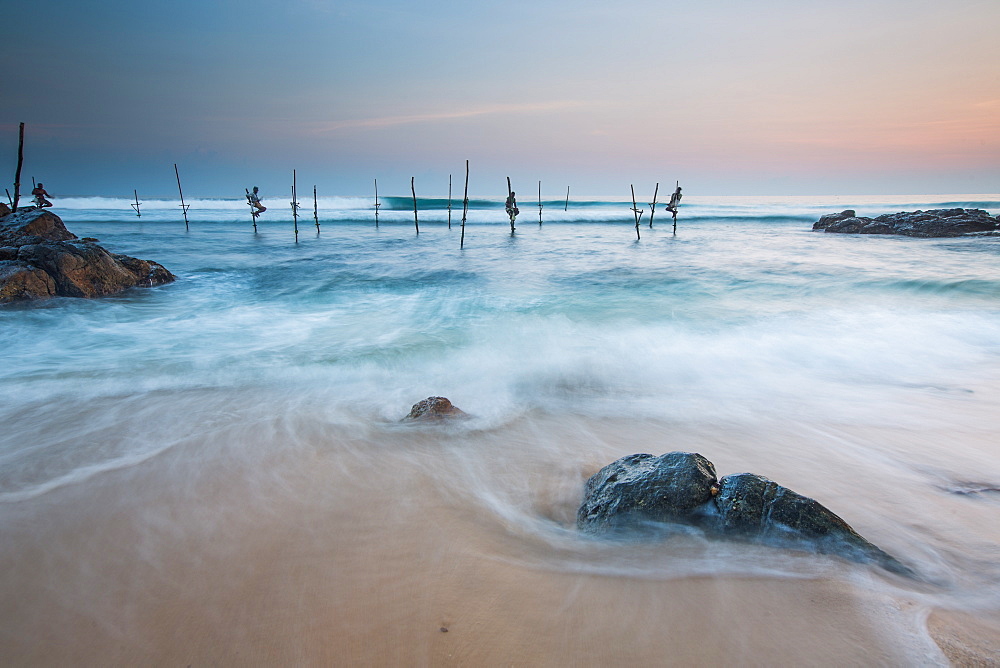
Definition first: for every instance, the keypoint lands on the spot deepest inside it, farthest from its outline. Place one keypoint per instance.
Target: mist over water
(266, 384)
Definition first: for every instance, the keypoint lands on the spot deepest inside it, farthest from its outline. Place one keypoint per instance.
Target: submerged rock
(434, 408)
(40, 258)
(639, 492)
(933, 223)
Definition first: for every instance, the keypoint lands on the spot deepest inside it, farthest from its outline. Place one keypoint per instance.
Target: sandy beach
(294, 544)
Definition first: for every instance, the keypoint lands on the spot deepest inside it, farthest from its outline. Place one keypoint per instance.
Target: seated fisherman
(675, 199)
(511, 205)
(254, 200)
(40, 195)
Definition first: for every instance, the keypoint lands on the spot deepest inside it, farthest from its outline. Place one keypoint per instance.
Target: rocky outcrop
(933, 223)
(642, 493)
(40, 258)
(434, 408)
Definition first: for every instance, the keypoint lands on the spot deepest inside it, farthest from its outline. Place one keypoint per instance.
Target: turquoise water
(862, 370)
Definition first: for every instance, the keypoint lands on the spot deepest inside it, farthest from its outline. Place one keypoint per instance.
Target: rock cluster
(933, 223)
(40, 258)
(642, 492)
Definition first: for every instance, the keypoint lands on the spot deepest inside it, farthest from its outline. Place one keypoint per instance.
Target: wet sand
(302, 545)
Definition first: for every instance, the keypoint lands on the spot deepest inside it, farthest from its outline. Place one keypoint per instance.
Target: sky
(770, 97)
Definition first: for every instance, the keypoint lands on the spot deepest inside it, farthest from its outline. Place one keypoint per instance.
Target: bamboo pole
(377, 204)
(510, 210)
(449, 201)
(315, 210)
(20, 161)
(136, 205)
(637, 212)
(652, 207)
(566, 208)
(295, 205)
(413, 190)
(539, 203)
(184, 207)
(465, 204)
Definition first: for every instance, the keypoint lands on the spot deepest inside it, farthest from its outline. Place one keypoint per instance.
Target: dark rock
(641, 489)
(934, 223)
(751, 507)
(40, 258)
(434, 408)
(832, 218)
(640, 492)
(33, 226)
(4, 209)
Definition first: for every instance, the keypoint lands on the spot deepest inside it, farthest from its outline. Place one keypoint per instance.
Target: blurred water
(842, 366)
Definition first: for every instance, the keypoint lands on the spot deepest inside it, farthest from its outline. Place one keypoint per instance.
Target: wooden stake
(184, 207)
(315, 210)
(377, 205)
(673, 210)
(637, 212)
(465, 204)
(539, 203)
(20, 161)
(510, 211)
(9, 200)
(136, 205)
(449, 201)
(414, 191)
(566, 208)
(652, 207)
(295, 206)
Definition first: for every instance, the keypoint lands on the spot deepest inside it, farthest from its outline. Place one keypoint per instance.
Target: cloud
(492, 110)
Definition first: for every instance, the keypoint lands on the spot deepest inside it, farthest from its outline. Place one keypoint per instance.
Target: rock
(4, 210)
(933, 223)
(642, 492)
(642, 489)
(434, 408)
(759, 510)
(40, 258)
(33, 226)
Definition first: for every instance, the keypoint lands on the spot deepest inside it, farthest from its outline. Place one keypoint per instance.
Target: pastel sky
(730, 97)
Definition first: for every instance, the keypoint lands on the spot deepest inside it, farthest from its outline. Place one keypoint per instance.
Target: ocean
(215, 471)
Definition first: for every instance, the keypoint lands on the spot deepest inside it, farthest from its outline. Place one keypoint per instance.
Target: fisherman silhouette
(511, 205)
(254, 200)
(40, 195)
(675, 199)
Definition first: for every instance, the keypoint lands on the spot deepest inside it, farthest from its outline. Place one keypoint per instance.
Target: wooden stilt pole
(295, 206)
(652, 207)
(465, 204)
(566, 208)
(136, 205)
(510, 209)
(413, 190)
(673, 210)
(637, 212)
(449, 201)
(539, 203)
(315, 210)
(9, 200)
(377, 204)
(184, 207)
(17, 172)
